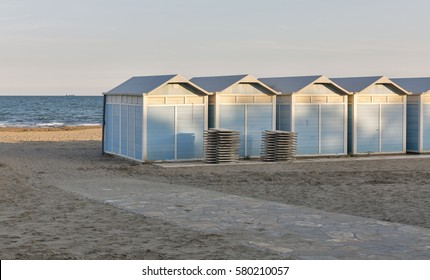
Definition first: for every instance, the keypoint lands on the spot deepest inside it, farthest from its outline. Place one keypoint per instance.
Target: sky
(86, 47)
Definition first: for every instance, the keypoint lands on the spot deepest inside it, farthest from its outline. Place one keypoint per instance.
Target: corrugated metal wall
(320, 129)
(211, 116)
(123, 130)
(426, 127)
(283, 117)
(350, 130)
(175, 132)
(250, 121)
(332, 129)
(161, 133)
(391, 128)
(190, 132)
(233, 117)
(259, 119)
(379, 128)
(307, 129)
(367, 128)
(109, 128)
(413, 127)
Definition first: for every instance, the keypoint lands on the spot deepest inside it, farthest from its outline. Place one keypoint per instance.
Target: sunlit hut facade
(241, 103)
(376, 115)
(316, 109)
(418, 113)
(155, 118)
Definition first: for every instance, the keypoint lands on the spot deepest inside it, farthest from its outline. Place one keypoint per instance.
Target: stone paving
(292, 231)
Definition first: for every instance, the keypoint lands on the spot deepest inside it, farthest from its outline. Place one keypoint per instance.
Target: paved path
(295, 232)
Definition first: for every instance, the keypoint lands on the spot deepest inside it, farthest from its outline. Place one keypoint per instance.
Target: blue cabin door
(332, 123)
(367, 128)
(391, 128)
(161, 133)
(307, 129)
(379, 128)
(250, 121)
(175, 132)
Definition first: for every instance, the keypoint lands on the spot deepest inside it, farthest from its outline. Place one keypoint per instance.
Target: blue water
(49, 111)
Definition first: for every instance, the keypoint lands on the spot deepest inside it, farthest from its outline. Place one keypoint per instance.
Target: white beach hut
(155, 118)
(418, 113)
(316, 109)
(241, 103)
(376, 115)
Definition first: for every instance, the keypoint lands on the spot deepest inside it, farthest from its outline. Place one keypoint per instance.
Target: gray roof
(289, 84)
(140, 85)
(218, 83)
(356, 84)
(414, 85)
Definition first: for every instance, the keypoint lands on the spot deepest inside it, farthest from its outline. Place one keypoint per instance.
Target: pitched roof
(217, 83)
(356, 84)
(141, 85)
(414, 85)
(289, 84)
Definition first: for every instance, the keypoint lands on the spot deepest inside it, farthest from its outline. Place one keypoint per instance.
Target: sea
(50, 111)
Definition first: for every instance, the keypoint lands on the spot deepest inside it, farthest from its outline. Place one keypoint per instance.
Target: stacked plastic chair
(221, 145)
(278, 145)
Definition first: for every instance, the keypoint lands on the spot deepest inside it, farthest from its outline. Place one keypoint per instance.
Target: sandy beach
(40, 221)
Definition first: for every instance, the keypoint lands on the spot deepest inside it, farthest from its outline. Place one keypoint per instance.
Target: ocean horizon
(50, 110)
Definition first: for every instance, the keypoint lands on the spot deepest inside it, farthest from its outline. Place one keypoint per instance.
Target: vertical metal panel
(190, 129)
(109, 128)
(259, 119)
(306, 127)
(104, 125)
(412, 126)
(283, 120)
(233, 117)
(211, 116)
(131, 131)
(138, 133)
(350, 129)
(124, 129)
(332, 129)
(391, 128)
(145, 128)
(116, 128)
(161, 133)
(273, 112)
(367, 128)
(426, 127)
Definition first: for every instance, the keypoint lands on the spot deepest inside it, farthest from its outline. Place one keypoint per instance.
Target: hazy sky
(90, 46)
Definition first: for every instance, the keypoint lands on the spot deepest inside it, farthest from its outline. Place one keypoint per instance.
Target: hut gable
(157, 85)
(238, 84)
(304, 85)
(217, 84)
(370, 85)
(140, 85)
(289, 85)
(179, 89)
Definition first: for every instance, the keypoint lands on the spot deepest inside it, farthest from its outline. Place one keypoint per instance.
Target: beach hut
(376, 115)
(316, 109)
(241, 103)
(154, 118)
(418, 113)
